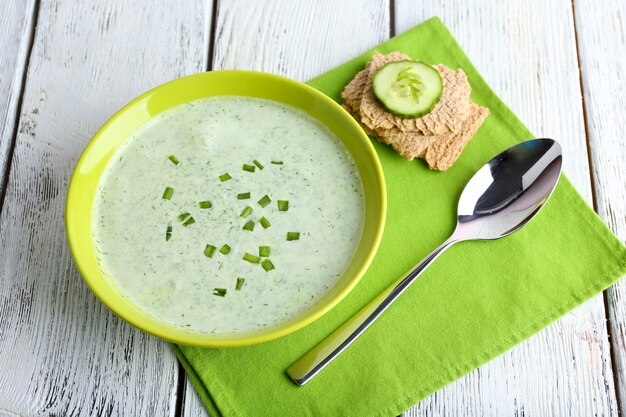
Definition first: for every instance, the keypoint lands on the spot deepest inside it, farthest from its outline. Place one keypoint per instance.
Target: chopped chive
(264, 222)
(293, 235)
(277, 162)
(168, 193)
(173, 159)
(224, 177)
(249, 168)
(249, 226)
(189, 221)
(283, 205)
(264, 251)
(251, 258)
(168, 233)
(240, 281)
(264, 201)
(220, 292)
(205, 204)
(184, 216)
(258, 164)
(225, 249)
(209, 251)
(246, 212)
(267, 265)
(243, 196)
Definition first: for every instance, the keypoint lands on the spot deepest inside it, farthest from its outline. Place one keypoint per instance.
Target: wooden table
(67, 65)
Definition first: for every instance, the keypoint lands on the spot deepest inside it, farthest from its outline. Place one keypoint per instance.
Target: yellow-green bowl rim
(208, 340)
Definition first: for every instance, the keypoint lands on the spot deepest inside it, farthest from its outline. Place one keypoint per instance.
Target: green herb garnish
(410, 80)
(168, 193)
(277, 162)
(267, 265)
(209, 250)
(224, 177)
(220, 292)
(168, 233)
(251, 258)
(173, 159)
(249, 226)
(264, 222)
(293, 235)
(240, 281)
(189, 221)
(246, 212)
(264, 201)
(258, 164)
(225, 249)
(243, 196)
(264, 251)
(205, 204)
(249, 168)
(183, 216)
(283, 205)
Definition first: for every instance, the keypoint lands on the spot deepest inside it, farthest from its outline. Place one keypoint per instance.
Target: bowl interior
(119, 128)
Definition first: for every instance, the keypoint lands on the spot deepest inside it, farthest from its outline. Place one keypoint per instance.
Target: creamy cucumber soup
(228, 214)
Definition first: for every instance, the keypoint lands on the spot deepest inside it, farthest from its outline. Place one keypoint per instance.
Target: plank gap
(612, 353)
(584, 105)
(392, 18)
(180, 391)
(605, 295)
(4, 182)
(211, 37)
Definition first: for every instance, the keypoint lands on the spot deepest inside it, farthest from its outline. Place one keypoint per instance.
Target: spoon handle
(321, 355)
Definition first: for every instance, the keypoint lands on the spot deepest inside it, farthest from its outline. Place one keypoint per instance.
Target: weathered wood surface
(62, 352)
(601, 33)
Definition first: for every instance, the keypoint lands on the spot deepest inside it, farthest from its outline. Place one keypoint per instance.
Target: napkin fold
(476, 301)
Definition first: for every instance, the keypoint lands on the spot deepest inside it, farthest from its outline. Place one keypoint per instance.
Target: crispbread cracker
(353, 92)
(457, 118)
(411, 145)
(444, 152)
(408, 144)
(446, 117)
(356, 116)
(372, 114)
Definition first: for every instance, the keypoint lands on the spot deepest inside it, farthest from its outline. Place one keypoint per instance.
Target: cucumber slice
(408, 88)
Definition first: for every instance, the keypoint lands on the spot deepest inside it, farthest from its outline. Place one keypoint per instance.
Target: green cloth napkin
(476, 301)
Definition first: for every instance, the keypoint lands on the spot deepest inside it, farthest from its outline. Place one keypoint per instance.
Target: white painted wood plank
(193, 406)
(527, 53)
(63, 352)
(601, 33)
(296, 39)
(16, 22)
(299, 39)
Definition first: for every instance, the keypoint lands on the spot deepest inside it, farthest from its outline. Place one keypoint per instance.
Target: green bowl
(119, 128)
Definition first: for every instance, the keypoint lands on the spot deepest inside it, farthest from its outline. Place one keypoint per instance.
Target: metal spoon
(500, 199)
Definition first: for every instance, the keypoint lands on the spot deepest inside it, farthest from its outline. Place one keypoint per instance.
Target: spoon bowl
(508, 191)
(501, 198)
